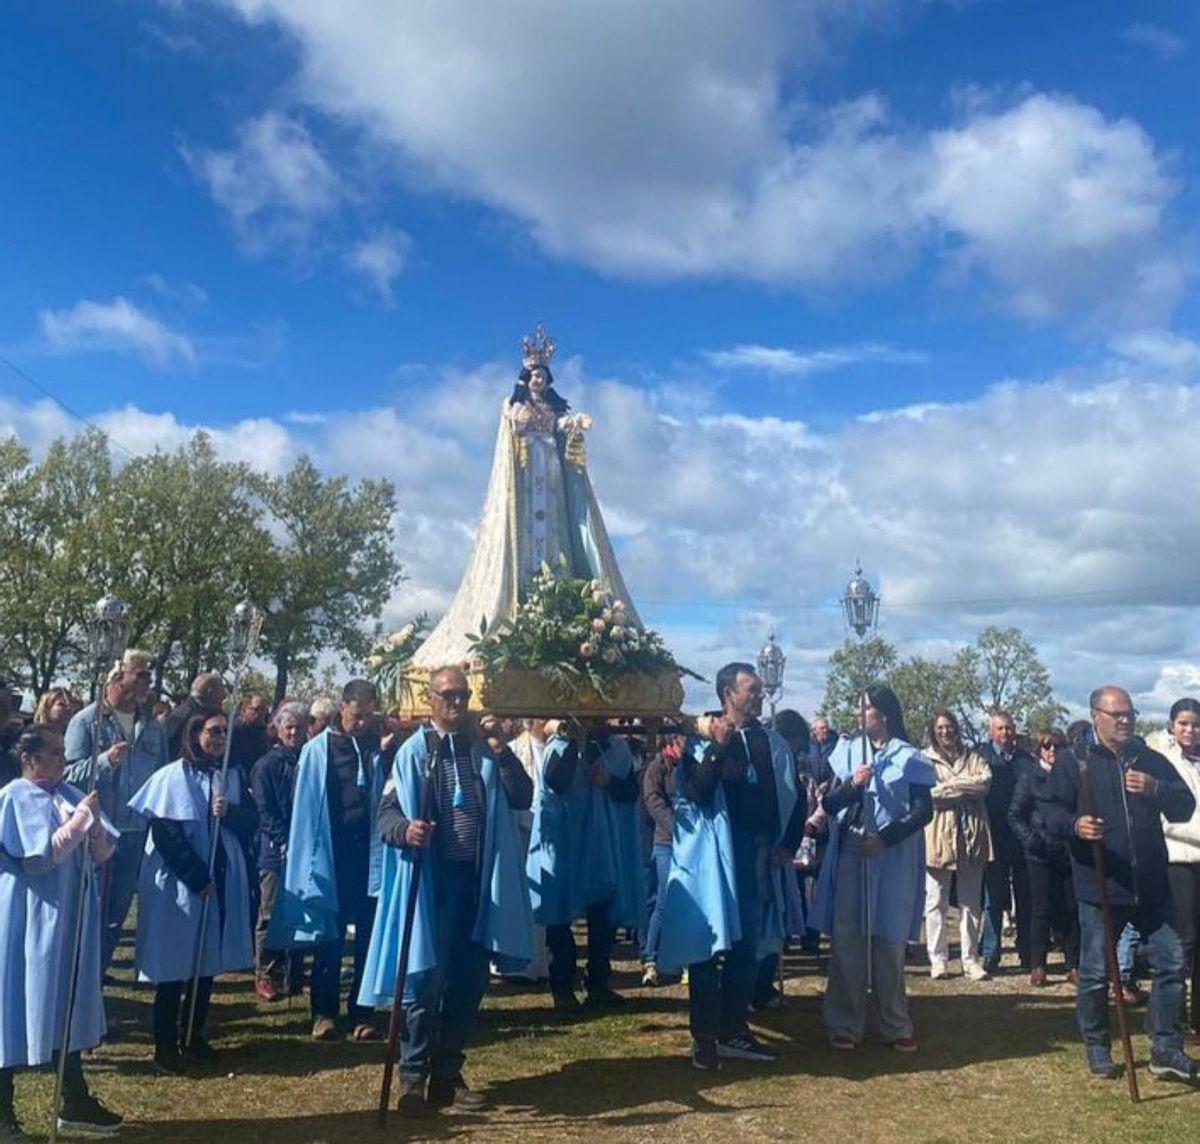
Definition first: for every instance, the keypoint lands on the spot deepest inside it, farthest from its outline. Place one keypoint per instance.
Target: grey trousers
(845, 1007)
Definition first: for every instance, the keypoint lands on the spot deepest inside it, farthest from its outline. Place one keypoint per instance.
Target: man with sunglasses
(473, 904)
(130, 748)
(1113, 789)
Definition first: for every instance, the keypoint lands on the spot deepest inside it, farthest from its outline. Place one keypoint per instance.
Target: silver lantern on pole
(771, 664)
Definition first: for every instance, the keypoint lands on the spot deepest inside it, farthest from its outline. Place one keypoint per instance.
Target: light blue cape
(307, 911)
(37, 932)
(584, 846)
(896, 877)
(503, 925)
(700, 912)
(168, 916)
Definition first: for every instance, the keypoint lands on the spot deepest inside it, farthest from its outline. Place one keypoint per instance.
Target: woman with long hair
(958, 846)
(183, 801)
(54, 710)
(871, 892)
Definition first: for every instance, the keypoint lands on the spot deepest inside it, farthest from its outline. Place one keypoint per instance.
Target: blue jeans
(441, 1017)
(662, 868)
(1164, 1014)
(719, 998)
(119, 878)
(1004, 878)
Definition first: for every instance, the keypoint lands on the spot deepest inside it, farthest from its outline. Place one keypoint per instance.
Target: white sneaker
(937, 970)
(975, 971)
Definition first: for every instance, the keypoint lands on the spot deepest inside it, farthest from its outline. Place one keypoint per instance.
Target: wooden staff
(1110, 940)
(396, 1023)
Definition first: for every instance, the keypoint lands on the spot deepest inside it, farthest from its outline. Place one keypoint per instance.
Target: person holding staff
(871, 893)
(1114, 790)
(48, 829)
(183, 804)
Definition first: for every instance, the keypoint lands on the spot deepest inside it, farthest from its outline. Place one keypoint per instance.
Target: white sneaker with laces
(937, 970)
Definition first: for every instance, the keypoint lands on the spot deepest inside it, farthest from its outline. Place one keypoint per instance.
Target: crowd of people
(715, 844)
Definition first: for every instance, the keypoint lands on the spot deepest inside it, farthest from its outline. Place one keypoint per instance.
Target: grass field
(997, 1062)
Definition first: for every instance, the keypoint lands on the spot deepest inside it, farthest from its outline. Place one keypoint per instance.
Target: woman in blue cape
(871, 893)
(585, 857)
(183, 802)
(472, 904)
(48, 830)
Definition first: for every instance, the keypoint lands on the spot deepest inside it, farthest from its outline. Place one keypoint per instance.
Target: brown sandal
(366, 1032)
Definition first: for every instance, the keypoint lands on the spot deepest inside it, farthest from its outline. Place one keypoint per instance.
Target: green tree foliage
(999, 671)
(330, 570)
(181, 537)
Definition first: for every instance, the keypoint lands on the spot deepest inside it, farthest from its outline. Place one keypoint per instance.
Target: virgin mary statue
(539, 507)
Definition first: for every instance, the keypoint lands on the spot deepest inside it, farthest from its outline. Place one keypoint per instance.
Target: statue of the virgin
(539, 507)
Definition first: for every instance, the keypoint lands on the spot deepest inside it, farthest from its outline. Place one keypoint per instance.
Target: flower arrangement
(388, 659)
(573, 633)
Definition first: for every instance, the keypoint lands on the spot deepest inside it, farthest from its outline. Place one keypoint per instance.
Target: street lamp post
(860, 604)
(771, 662)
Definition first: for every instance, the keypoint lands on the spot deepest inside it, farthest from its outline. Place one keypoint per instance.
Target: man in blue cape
(331, 868)
(738, 821)
(585, 858)
(472, 905)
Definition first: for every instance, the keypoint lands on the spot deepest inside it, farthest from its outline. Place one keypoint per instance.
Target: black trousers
(560, 941)
(1052, 909)
(355, 907)
(172, 1004)
(74, 1087)
(1185, 896)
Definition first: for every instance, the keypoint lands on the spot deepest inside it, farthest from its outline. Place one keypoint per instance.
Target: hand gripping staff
(244, 628)
(396, 1022)
(1110, 941)
(107, 629)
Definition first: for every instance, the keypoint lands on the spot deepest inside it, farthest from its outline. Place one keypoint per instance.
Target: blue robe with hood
(503, 925)
(584, 846)
(37, 929)
(307, 911)
(896, 877)
(168, 916)
(700, 912)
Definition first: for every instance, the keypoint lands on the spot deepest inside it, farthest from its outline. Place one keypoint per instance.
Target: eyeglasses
(143, 675)
(1049, 746)
(454, 695)
(1128, 716)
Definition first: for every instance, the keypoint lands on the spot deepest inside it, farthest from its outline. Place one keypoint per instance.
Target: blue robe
(307, 911)
(896, 889)
(503, 925)
(168, 917)
(37, 931)
(700, 912)
(584, 847)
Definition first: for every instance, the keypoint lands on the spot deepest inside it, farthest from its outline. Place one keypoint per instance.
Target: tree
(191, 546)
(1010, 677)
(330, 569)
(852, 667)
(54, 533)
(924, 685)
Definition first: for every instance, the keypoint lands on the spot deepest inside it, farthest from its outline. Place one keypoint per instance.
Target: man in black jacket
(1112, 789)
(1006, 878)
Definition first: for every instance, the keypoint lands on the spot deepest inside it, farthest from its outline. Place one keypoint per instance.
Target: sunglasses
(454, 695)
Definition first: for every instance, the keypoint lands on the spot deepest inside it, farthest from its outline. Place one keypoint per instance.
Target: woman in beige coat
(958, 844)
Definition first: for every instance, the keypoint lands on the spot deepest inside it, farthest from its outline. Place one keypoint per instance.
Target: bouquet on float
(573, 634)
(391, 656)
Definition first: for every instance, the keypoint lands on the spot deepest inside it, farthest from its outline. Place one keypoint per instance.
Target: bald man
(1113, 790)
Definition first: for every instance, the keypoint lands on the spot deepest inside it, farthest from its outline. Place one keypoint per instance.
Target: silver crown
(538, 348)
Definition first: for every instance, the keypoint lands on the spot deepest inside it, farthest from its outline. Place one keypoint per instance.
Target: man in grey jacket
(131, 746)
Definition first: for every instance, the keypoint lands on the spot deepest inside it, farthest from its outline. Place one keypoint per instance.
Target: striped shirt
(459, 813)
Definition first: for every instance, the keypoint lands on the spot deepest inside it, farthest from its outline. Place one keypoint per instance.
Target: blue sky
(775, 233)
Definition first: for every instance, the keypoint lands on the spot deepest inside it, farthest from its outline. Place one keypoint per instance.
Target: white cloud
(797, 363)
(645, 147)
(1162, 349)
(1070, 510)
(1155, 39)
(115, 325)
(275, 185)
(380, 259)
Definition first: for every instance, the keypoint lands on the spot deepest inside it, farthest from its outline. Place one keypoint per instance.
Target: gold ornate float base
(516, 693)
